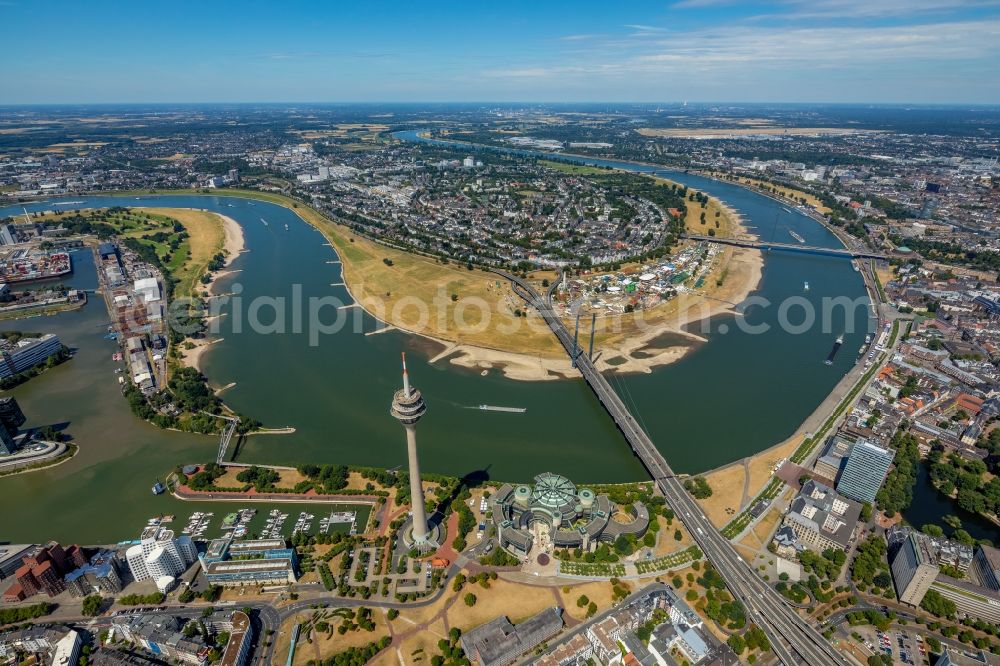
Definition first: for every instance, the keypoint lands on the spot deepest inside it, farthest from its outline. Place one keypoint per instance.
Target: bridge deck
(790, 247)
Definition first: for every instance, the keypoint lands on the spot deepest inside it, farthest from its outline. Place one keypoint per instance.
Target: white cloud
(746, 61)
(803, 9)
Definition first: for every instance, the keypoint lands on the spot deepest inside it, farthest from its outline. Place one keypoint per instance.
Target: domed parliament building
(555, 513)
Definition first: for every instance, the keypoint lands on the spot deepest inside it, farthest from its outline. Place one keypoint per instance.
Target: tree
(470, 600)
(932, 530)
(937, 605)
(737, 644)
(698, 487)
(897, 491)
(92, 605)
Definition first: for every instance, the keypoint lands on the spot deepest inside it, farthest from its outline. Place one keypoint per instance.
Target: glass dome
(553, 491)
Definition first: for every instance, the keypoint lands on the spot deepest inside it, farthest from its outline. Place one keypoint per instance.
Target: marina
(197, 524)
(265, 523)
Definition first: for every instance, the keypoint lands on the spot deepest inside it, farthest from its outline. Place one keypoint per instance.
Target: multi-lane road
(792, 638)
(858, 252)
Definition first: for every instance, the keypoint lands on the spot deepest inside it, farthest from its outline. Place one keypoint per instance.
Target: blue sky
(933, 51)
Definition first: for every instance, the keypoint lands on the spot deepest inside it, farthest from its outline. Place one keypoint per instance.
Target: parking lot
(904, 646)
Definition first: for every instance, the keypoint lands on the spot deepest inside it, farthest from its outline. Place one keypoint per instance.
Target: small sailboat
(806, 286)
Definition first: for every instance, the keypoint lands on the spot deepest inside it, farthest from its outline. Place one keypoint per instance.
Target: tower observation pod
(408, 408)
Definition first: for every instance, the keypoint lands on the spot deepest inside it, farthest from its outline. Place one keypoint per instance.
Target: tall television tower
(408, 407)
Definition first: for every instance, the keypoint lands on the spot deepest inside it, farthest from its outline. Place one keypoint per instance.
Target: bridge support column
(576, 339)
(593, 327)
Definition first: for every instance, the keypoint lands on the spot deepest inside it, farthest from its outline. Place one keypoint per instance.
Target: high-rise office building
(7, 445)
(11, 416)
(865, 471)
(913, 569)
(986, 565)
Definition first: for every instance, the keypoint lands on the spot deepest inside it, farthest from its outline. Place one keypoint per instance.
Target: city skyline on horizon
(712, 51)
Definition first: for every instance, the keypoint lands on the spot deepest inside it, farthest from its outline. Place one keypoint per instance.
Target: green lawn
(574, 169)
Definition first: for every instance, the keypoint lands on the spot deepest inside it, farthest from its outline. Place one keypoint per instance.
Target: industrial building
(567, 517)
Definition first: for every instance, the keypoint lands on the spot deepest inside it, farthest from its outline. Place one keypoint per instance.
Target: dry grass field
(313, 646)
(517, 602)
(289, 478)
(727, 492)
(598, 592)
(727, 483)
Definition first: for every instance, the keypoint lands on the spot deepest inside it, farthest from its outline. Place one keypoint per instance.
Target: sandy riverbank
(233, 244)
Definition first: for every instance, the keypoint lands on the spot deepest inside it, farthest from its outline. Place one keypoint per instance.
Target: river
(732, 397)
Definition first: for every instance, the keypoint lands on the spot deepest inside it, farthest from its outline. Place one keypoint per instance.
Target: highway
(793, 640)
